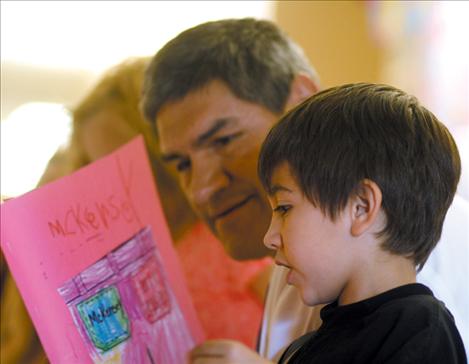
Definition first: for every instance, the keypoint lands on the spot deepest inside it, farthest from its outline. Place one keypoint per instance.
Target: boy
(360, 178)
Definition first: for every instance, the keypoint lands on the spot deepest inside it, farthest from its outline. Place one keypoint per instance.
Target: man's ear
(365, 206)
(302, 87)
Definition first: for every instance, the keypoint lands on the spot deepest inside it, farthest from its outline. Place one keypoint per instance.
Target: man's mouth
(232, 208)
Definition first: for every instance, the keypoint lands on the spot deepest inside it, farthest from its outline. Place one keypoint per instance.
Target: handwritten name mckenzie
(97, 216)
(86, 219)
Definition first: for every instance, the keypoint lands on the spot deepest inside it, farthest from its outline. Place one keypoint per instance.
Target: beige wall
(336, 38)
(22, 83)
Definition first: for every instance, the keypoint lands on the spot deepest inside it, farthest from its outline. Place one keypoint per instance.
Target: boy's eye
(282, 209)
(225, 140)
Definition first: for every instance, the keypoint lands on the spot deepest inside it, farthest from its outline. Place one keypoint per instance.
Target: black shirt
(404, 325)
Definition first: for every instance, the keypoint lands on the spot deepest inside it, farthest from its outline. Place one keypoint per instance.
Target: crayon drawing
(124, 309)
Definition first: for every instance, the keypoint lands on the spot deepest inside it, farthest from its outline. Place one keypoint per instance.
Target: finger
(210, 360)
(212, 348)
(4, 198)
(206, 350)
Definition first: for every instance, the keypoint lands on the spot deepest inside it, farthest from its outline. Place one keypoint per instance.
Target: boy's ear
(301, 88)
(365, 206)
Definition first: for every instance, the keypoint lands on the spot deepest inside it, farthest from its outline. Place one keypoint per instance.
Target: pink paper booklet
(93, 259)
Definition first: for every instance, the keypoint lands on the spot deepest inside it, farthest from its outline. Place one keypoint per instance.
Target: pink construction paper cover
(93, 259)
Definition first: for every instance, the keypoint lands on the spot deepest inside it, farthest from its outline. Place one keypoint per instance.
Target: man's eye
(282, 209)
(225, 140)
(183, 165)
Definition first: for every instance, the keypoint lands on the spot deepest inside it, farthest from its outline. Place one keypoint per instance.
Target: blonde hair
(119, 89)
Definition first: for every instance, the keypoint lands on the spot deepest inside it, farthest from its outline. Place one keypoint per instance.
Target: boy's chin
(310, 299)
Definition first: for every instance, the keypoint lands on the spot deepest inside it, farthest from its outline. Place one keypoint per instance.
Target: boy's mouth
(289, 276)
(282, 264)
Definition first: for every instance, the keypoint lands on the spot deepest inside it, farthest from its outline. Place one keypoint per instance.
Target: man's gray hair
(254, 58)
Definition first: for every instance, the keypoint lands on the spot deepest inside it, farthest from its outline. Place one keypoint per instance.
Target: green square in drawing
(105, 319)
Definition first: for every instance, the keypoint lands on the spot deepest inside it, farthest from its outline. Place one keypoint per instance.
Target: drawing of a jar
(104, 318)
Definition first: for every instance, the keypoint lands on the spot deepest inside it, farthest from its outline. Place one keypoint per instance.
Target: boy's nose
(272, 238)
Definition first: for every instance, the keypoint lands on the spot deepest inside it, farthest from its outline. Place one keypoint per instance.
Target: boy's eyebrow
(277, 188)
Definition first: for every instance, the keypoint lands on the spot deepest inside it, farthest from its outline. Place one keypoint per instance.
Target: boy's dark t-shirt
(404, 325)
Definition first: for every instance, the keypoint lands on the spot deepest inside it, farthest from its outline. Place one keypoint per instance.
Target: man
(214, 92)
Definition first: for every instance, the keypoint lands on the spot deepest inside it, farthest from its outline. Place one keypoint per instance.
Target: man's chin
(240, 240)
(241, 255)
(244, 249)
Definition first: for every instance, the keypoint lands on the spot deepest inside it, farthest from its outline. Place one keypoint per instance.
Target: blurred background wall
(337, 38)
(53, 52)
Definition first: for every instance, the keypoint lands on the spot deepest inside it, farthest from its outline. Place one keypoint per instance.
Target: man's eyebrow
(170, 157)
(201, 139)
(278, 188)
(219, 124)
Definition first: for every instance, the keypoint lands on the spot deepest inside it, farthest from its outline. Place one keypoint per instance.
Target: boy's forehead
(282, 180)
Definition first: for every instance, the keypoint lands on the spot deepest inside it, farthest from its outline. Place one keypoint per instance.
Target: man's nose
(208, 177)
(272, 238)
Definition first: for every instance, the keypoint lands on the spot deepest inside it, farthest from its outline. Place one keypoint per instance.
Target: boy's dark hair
(345, 134)
(255, 59)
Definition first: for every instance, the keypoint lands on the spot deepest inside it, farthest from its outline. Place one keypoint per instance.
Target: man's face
(212, 139)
